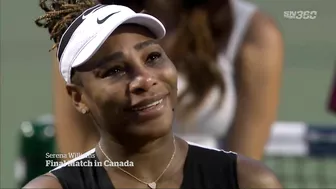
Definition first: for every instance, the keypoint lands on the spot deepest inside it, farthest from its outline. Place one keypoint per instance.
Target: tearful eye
(115, 71)
(153, 57)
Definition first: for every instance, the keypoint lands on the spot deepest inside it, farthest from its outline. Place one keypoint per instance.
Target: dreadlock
(59, 14)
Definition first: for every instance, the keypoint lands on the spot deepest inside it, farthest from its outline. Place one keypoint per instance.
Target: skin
(75, 132)
(108, 90)
(258, 68)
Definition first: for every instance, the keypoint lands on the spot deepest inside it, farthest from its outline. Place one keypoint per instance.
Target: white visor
(90, 30)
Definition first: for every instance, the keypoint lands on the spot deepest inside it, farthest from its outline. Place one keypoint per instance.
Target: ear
(77, 97)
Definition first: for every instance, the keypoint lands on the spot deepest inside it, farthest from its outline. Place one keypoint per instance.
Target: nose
(142, 82)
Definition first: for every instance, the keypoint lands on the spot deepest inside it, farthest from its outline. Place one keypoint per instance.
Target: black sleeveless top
(204, 168)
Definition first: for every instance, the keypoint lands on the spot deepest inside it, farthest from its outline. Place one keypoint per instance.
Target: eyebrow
(144, 44)
(119, 55)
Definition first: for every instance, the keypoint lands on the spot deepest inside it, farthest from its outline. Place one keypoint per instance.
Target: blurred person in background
(229, 56)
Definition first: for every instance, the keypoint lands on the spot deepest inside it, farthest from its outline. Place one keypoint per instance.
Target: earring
(84, 111)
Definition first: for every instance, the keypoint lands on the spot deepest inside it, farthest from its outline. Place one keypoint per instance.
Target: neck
(149, 159)
(135, 147)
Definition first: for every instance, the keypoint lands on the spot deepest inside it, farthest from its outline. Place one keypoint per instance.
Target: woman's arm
(44, 181)
(258, 80)
(75, 132)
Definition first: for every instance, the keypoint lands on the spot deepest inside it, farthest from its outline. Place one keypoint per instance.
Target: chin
(152, 129)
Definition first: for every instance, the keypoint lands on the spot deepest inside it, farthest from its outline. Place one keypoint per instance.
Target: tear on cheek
(169, 75)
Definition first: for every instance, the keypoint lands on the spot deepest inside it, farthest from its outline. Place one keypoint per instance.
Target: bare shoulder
(253, 174)
(262, 51)
(263, 30)
(44, 181)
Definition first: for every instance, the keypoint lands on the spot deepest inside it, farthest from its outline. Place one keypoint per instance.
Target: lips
(148, 103)
(148, 106)
(147, 109)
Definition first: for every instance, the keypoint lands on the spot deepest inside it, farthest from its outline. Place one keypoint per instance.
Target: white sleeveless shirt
(216, 123)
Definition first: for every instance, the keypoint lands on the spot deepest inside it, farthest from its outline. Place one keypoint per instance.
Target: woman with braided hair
(229, 57)
(75, 132)
(118, 75)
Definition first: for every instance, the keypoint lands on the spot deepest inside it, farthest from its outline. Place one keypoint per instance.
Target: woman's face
(129, 85)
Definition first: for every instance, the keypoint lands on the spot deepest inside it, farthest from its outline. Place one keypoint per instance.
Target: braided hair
(59, 14)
